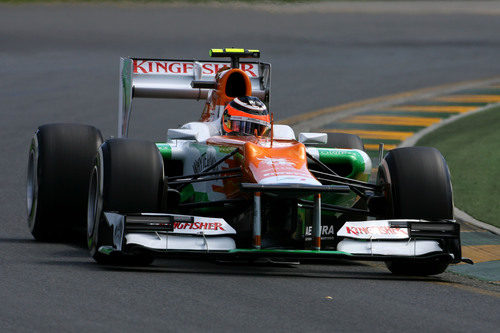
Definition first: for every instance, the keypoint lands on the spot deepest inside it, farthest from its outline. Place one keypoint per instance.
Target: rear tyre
(344, 141)
(128, 178)
(59, 165)
(418, 187)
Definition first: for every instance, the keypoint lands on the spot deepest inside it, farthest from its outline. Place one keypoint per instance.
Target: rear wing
(171, 78)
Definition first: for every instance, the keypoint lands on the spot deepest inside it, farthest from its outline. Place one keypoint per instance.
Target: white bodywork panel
(313, 138)
(389, 248)
(209, 226)
(377, 237)
(283, 132)
(204, 234)
(181, 134)
(191, 131)
(181, 242)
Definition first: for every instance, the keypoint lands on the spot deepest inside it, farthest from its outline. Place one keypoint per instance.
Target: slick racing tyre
(60, 160)
(345, 141)
(419, 187)
(127, 178)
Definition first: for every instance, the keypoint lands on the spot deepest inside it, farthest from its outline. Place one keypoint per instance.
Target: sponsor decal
(186, 67)
(276, 161)
(288, 179)
(206, 225)
(372, 230)
(327, 151)
(280, 174)
(205, 160)
(199, 226)
(162, 67)
(165, 150)
(326, 230)
(226, 149)
(213, 225)
(375, 230)
(269, 167)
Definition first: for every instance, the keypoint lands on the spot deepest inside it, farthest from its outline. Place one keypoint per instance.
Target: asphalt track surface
(60, 64)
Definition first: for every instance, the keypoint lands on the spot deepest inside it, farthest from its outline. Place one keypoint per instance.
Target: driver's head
(245, 115)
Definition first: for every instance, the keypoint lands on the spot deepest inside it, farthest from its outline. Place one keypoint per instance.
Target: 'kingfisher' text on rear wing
(168, 78)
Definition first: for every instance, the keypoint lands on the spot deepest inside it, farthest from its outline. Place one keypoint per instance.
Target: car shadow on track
(75, 254)
(18, 240)
(337, 269)
(55, 249)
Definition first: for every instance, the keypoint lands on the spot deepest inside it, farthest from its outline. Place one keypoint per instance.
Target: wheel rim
(32, 188)
(93, 209)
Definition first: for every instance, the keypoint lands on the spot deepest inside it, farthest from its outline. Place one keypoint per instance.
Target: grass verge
(471, 148)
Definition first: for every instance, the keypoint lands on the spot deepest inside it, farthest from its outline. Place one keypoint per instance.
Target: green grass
(471, 148)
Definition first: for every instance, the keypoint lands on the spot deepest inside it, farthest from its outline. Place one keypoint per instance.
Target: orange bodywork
(262, 160)
(283, 162)
(225, 91)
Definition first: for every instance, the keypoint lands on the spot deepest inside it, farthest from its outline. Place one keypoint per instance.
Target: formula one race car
(234, 185)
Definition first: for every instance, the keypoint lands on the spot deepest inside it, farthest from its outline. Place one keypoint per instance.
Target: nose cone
(285, 164)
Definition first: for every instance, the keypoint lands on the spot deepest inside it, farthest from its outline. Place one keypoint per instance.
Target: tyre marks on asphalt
(394, 124)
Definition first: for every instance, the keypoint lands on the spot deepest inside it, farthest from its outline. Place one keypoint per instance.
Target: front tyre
(59, 165)
(433, 267)
(127, 178)
(418, 186)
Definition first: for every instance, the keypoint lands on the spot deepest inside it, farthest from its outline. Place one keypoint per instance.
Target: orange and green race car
(234, 185)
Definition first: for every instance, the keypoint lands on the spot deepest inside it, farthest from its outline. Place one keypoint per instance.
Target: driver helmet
(246, 115)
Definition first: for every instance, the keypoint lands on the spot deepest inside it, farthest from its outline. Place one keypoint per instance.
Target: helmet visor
(249, 126)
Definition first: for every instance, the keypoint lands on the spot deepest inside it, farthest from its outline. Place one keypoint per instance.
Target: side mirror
(313, 138)
(283, 132)
(181, 134)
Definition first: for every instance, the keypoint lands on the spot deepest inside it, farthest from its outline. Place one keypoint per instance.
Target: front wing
(382, 240)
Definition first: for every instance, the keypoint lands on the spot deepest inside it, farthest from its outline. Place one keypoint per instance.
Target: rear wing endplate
(169, 78)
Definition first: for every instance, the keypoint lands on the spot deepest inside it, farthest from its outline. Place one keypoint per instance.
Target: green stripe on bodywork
(165, 150)
(187, 192)
(275, 251)
(200, 197)
(107, 250)
(344, 156)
